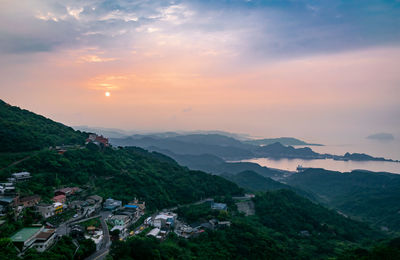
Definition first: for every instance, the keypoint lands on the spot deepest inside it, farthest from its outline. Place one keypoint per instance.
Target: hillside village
(72, 212)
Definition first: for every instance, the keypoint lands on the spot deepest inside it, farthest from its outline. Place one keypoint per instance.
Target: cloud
(94, 58)
(258, 30)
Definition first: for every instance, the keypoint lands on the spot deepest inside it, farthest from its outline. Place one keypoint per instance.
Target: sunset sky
(309, 69)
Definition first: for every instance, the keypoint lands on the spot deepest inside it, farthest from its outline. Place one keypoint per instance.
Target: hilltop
(22, 130)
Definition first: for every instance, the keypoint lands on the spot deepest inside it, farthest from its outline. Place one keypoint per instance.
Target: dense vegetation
(370, 196)
(22, 131)
(122, 174)
(383, 250)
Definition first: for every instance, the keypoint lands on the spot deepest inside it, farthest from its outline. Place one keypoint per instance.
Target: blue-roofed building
(131, 207)
(219, 206)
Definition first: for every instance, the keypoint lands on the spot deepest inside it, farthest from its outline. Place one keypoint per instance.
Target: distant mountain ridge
(228, 148)
(282, 140)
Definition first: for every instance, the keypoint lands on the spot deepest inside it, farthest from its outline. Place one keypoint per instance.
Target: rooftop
(24, 234)
(45, 234)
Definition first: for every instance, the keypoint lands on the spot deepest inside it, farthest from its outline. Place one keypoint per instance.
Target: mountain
(282, 140)
(192, 144)
(122, 173)
(367, 196)
(277, 150)
(252, 181)
(215, 165)
(381, 137)
(21, 131)
(227, 148)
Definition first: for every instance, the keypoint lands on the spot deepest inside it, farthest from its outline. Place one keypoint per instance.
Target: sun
(107, 94)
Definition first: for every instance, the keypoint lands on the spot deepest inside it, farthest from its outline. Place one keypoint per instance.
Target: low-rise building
(44, 240)
(7, 188)
(154, 232)
(120, 220)
(219, 206)
(21, 176)
(67, 191)
(94, 199)
(48, 210)
(111, 204)
(165, 219)
(25, 237)
(59, 198)
(29, 201)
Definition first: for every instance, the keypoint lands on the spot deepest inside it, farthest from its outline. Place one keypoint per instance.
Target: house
(29, 201)
(67, 191)
(25, 237)
(94, 199)
(154, 232)
(8, 201)
(98, 140)
(111, 204)
(141, 205)
(58, 208)
(165, 220)
(59, 198)
(120, 220)
(48, 210)
(7, 188)
(44, 240)
(21, 176)
(219, 206)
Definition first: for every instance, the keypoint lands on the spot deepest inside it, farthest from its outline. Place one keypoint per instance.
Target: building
(7, 188)
(219, 206)
(29, 201)
(58, 208)
(154, 232)
(164, 220)
(44, 240)
(111, 204)
(21, 176)
(8, 201)
(59, 199)
(120, 220)
(94, 199)
(141, 205)
(48, 210)
(25, 237)
(98, 140)
(67, 191)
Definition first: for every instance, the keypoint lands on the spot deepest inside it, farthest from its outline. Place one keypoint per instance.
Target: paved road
(106, 243)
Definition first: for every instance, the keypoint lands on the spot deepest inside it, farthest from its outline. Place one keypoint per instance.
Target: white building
(154, 232)
(21, 176)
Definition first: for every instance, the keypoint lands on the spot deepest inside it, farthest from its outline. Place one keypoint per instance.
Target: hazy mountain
(381, 137)
(282, 140)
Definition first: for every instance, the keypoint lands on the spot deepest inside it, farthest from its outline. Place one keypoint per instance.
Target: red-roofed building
(60, 198)
(66, 191)
(96, 139)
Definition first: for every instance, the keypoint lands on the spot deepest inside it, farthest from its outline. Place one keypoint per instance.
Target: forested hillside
(21, 131)
(369, 196)
(122, 174)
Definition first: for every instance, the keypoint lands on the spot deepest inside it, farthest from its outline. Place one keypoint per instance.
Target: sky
(317, 70)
